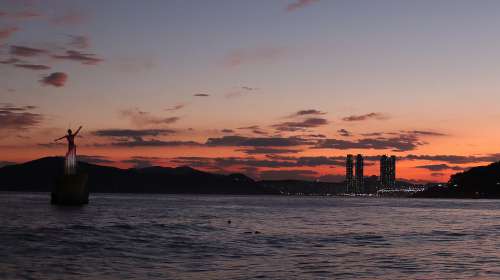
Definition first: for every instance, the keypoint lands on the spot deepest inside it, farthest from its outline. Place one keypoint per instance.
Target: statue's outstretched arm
(55, 140)
(78, 130)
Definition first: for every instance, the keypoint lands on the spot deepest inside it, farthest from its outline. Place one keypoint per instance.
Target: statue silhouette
(70, 160)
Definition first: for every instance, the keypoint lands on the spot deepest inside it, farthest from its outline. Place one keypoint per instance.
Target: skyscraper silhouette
(392, 171)
(387, 171)
(349, 174)
(359, 181)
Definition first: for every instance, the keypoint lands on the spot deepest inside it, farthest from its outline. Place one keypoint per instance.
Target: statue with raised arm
(70, 160)
(70, 188)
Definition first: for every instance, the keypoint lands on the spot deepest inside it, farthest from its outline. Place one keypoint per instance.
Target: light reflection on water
(188, 237)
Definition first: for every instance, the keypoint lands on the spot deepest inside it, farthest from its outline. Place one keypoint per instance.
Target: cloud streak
(299, 4)
(369, 116)
(241, 57)
(141, 118)
(241, 141)
(84, 58)
(18, 117)
(33, 66)
(300, 125)
(26, 51)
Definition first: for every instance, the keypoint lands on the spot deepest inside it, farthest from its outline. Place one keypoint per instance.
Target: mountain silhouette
(477, 182)
(39, 175)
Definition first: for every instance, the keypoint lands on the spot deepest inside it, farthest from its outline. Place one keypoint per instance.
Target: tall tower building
(384, 168)
(392, 171)
(349, 174)
(359, 177)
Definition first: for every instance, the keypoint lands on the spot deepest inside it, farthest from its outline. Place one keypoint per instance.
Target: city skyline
(272, 89)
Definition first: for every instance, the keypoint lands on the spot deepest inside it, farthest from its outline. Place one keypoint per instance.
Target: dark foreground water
(188, 237)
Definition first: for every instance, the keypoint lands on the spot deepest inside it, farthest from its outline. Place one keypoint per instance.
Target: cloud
(70, 17)
(79, 41)
(344, 132)
(227, 131)
(397, 141)
(6, 32)
(300, 125)
(252, 127)
(132, 133)
(267, 150)
(136, 138)
(370, 134)
(33, 66)
(437, 174)
(316, 135)
(398, 144)
(249, 88)
(57, 79)
(18, 117)
(10, 61)
(249, 56)
(424, 133)
(84, 58)
(440, 167)
(241, 141)
(298, 4)
(26, 15)
(201, 95)
(175, 107)
(141, 118)
(307, 112)
(355, 118)
(274, 162)
(26, 51)
(139, 142)
(455, 159)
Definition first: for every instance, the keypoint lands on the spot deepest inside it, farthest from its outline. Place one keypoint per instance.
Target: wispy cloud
(249, 56)
(176, 107)
(142, 118)
(344, 132)
(440, 167)
(33, 66)
(456, 159)
(132, 133)
(201, 95)
(241, 141)
(84, 58)
(10, 61)
(298, 4)
(300, 125)
(79, 41)
(26, 51)
(376, 116)
(18, 117)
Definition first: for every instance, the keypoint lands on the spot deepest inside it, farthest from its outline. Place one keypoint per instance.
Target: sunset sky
(269, 88)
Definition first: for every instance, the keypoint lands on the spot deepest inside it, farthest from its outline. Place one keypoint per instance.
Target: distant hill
(477, 182)
(39, 175)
